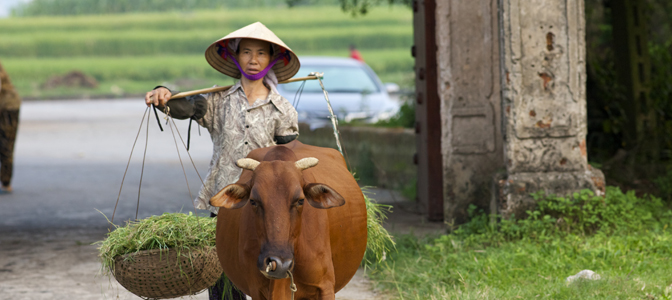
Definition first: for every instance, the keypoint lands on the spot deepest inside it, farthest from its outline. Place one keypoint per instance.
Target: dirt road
(70, 158)
(62, 264)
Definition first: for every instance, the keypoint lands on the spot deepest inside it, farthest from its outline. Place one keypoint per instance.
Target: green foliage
(410, 189)
(607, 119)
(632, 266)
(404, 118)
(362, 7)
(664, 184)
(582, 214)
(625, 239)
(661, 93)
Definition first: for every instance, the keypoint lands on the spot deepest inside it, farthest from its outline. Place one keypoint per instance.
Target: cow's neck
(279, 289)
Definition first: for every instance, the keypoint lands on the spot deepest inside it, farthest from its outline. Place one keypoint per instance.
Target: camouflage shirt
(236, 128)
(9, 98)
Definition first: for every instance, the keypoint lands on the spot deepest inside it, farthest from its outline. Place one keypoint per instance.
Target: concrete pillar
(543, 102)
(469, 88)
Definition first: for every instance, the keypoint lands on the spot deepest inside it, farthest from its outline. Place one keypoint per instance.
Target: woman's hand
(158, 97)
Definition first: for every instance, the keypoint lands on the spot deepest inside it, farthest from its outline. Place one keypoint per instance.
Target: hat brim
(283, 70)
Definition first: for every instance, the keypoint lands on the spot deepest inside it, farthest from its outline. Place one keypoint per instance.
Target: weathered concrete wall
(381, 157)
(469, 87)
(544, 101)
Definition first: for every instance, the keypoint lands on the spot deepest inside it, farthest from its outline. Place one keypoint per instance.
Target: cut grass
(379, 242)
(176, 231)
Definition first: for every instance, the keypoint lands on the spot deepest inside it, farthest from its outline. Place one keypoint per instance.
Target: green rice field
(130, 53)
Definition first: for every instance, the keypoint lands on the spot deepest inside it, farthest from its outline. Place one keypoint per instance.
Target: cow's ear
(231, 197)
(322, 196)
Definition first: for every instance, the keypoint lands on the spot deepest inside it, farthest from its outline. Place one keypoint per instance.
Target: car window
(337, 79)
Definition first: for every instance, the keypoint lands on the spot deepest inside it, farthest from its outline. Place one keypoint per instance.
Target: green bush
(404, 118)
(664, 185)
(582, 214)
(607, 118)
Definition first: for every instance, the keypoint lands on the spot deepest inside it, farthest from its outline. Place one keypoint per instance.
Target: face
(253, 55)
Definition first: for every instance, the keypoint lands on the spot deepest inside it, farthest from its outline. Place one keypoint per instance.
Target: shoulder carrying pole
(224, 88)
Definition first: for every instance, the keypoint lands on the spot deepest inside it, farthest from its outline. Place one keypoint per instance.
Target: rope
(334, 120)
(292, 286)
(157, 117)
(127, 164)
(171, 123)
(142, 171)
(189, 154)
(298, 93)
(168, 118)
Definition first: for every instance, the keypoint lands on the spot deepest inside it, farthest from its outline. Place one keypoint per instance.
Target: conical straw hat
(284, 69)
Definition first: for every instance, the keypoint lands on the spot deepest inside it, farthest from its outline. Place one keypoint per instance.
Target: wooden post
(427, 111)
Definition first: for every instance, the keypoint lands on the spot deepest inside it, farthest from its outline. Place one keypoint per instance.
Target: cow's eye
(253, 203)
(299, 203)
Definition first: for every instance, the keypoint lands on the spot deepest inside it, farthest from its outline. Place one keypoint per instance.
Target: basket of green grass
(161, 257)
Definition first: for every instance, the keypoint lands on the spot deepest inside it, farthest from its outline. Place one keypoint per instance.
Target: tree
(361, 7)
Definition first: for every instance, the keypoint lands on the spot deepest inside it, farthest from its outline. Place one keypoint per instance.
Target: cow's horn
(247, 163)
(306, 163)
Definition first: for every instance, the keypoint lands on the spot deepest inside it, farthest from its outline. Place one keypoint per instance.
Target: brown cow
(264, 229)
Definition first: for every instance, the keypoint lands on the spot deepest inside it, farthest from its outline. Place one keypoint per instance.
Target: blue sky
(6, 5)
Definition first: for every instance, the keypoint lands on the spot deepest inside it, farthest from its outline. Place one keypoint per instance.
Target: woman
(10, 103)
(249, 115)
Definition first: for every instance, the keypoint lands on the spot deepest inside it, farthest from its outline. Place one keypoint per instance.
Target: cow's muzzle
(276, 267)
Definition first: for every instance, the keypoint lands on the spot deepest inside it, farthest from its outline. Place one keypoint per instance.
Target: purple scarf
(223, 51)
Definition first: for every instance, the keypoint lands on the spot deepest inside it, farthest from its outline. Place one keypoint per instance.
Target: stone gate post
(505, 82)
(468, 62)
(543, 80)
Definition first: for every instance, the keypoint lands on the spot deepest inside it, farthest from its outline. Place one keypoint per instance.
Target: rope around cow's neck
(292, 286)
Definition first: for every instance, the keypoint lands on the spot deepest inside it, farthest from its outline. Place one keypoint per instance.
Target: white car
(355, 92)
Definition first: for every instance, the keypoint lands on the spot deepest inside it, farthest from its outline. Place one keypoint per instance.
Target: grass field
(626, 239)
(130, 53)
(632, 266)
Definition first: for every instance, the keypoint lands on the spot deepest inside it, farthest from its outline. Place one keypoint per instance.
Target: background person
(354, 53)
(10, 102)
(250, 115)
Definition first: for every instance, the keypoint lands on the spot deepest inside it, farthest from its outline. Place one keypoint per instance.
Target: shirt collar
(234, 88)
(275, 99)
(272, 95)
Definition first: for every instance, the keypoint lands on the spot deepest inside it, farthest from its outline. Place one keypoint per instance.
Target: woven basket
(162, 274)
